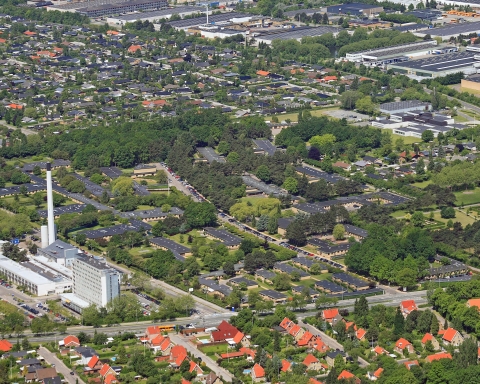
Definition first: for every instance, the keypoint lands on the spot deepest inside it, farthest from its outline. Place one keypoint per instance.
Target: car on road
(72, 373)
(190, 326)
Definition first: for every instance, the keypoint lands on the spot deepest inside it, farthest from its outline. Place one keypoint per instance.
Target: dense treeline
(44, 16)
(379, 42)
(388, 256)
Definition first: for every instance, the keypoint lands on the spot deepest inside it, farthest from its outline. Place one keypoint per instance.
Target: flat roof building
(439, 65)
(94, 281)
(60, 252)
(37, 279)
(294, 33)
(156, 16)
(404, 106)
(356, 9)
(452, 30)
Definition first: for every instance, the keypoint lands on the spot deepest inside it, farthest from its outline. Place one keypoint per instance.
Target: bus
(166, 328)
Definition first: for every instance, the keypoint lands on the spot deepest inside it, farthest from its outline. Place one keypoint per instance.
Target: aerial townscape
(243, 191)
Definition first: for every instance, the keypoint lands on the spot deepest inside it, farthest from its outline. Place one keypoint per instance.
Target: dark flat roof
(349, 279)
(226, 237)
(438, 63)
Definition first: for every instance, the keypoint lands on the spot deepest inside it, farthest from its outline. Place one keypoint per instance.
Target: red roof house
(379, 350)
(439, 356)
(474, 303)
(107, 370)
(71, 341)
(403, 344)
(286, 323)
(177, 354)
(5, 345)
(360, 334)
(94, 364)
(345, 375)
(408, 306)
(225, 331)
(331, 315)
(305, 339)
(453, 337)
(409, 364)
(433, 340)
(285, 365)
(110, 379)
(134, 48)
(258, 372)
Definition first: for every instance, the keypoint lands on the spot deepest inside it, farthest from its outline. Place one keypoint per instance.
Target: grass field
(467, 197)
(294, 116)
(422, 184)
(461, 217)
(217, 348)
(406, 139)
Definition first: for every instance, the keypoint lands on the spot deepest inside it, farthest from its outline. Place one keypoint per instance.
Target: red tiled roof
(165, 344)
(186, 381)
(361, 334)
(71, 340)
(378, 372)
(134, 48)
(330, 313)
(110, 379)
(258, 371)
(408, 364)
(263, 73)
(439, 356)
(408, 305)
(5, 345)
(225, 331)
(474, 303)
(285, 365)
(238, 337)
(194, 367)
(428, 336)
(92, 362)
(248, 351)
(177, 354)
(379, 350)
(285, 323)
(104, 369)
(314, 381)
(345, 375)
(449, 334)
(294, 330)
(307, 336)
(232, 355)
(402, 343)
(309, 360)
(320, 346)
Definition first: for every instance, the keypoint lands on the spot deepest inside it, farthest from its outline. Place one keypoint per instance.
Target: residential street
(50, 358)
(227, 376)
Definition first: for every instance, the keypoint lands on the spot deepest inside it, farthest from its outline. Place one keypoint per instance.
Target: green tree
(199, 215)
(123, 186)
(467, 353)
(427, 136)
(398, 323)
(406, 278)
(417, 219)
(365, 105)
(339, 232)
(281, 282)
(290, 185)
(263, 173)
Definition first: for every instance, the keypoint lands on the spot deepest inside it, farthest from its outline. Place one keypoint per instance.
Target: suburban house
(258, 373)
(474, 303)
(451, 336)
(225, 331)
(331, 316)
(330, 358)
(401, 344)
(69, 341)
(5, 346)
(313, 364)
(408, 306)
(345, 375)
(410, 363)
(374, 376)
(432, 339)
(439, 356)
(241, 338)
(286, 365)
(379, 351)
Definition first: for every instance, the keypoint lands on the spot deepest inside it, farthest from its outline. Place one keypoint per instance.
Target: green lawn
(461, 217)
(397, 214)
(460, 119)
(406, 139)
(422, 184)
(468, 197)
(217, 348)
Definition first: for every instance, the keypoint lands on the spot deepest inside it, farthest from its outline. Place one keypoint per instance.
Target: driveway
(50, 358)
(219, 371)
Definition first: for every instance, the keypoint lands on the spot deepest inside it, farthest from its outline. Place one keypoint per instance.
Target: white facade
(47, 283)
(95, 281)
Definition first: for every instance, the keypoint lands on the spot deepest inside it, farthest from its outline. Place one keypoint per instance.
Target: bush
(447, 213)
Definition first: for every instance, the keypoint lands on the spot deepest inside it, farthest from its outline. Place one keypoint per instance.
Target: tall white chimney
(44, 235)
(51, 222)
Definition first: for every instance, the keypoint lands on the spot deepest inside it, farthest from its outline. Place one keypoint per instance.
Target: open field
(422, 184)
(461, 217)
(467, 197)
(294, 116)
(406, 139)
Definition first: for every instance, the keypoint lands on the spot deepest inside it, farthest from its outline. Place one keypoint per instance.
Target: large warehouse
(439, 65)
(223, 19)
(393, 54)
(156, 15)
(295, 33)
(99, 8)
(355, 9)
(448, 31)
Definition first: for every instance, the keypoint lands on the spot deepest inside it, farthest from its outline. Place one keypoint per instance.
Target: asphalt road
(50, 358)
(219, 371)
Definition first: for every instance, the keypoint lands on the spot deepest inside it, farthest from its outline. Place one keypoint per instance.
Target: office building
(94, 281)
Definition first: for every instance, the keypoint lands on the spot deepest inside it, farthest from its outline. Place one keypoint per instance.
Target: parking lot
(349, 115)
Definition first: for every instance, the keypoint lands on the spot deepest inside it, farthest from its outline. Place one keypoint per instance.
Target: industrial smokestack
(51, 223)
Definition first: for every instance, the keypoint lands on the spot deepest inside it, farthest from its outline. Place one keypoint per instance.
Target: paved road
(219, 371)
(50, 358)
